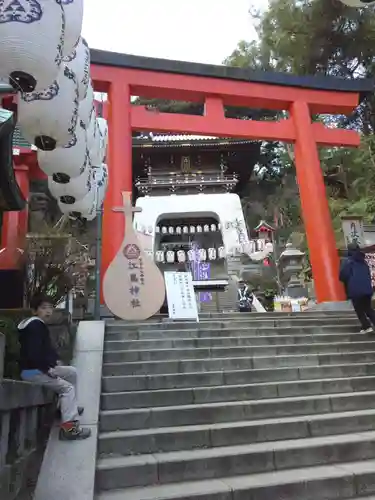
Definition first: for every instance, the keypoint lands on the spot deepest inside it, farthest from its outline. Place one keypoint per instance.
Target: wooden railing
(26, 414)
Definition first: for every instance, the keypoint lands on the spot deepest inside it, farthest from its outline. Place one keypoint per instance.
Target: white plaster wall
(225, 207)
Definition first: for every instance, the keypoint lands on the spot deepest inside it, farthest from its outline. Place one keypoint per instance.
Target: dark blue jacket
(355, 274)
(37, 352)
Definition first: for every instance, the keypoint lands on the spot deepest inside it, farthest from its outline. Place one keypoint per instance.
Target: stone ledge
(15, 394)
(68, 469)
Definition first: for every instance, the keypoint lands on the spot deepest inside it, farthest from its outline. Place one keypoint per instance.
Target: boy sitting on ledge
(40, 365)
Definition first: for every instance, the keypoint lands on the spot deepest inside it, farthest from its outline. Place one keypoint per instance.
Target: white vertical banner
(182, 303)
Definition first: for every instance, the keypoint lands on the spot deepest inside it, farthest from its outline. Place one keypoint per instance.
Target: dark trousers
(364, 311)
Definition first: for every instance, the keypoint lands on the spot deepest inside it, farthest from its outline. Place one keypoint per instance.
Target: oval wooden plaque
(133, 286)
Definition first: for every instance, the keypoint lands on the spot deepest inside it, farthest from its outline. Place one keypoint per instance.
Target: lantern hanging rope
(32, 40)
(48, 119)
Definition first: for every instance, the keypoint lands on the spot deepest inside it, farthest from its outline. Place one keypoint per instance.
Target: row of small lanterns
(188, 229)
(45, 58)
(200, 255)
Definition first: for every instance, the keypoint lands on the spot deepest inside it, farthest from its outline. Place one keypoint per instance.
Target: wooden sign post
(133, 286)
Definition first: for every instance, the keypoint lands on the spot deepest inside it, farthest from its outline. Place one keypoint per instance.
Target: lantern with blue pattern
(32, 36)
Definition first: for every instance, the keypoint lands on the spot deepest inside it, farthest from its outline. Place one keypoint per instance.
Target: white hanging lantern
(101, 182)
(164, 230)
(86, 106)
(221, 252)
(171, 230)
(103, 130)
(185, 230)
(199, 229)
(48, 119)
(202, 254)
(79, 62)
(73, 24)
(69, 161)
(73, 190)
(159, 256)
(178, 230)
(157, 229)
(206, 228)
(192, 229)
(86, 207)
(32, 39)
(93, 140)
(170, 256)
(219, 227)
(191, 255)
(213, 227)
(212, 253)
(181, 256)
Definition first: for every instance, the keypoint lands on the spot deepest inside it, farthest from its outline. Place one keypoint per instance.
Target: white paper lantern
(185, 230)
(86, 106)
(157, 229)
(202, 254)
(86, 207)
(181, 256)
(32, 38)
(171, 230)
(212, 253)
(213, 227)
(170, 256)
(103, 129)
(219, 227)
(69, 161)
(191, 255)
(79, 62)
(159, 256)
(48, 119)
(192, 229)
(206, 228)
(73, 24)
(101, 182)
(164, 230)
(178, 230)
(93, 140)
(199, 229)
(73, 190)
(221, 252)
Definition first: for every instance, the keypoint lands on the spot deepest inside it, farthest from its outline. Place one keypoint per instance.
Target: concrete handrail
(24, 410)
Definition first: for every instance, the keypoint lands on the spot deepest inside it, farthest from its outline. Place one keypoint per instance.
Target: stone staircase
(238, 407)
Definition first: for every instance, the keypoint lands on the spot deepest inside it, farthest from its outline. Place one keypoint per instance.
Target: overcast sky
(190, 30)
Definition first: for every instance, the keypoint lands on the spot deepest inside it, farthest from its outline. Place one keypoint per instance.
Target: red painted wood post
(316, 215)
(119, 170)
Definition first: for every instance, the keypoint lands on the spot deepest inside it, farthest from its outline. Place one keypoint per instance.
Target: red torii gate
(123, 76)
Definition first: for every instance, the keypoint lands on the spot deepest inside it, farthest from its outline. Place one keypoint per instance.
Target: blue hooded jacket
(355, 274)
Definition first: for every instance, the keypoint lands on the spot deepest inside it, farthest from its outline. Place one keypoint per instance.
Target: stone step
(165, 321)
(236, 351)
(242, 392)
(241, 331)
(210, 463)
(235, 363)
(251, 340)
(232, 377)
(210, 413)
(326, 482)
(234, 433)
